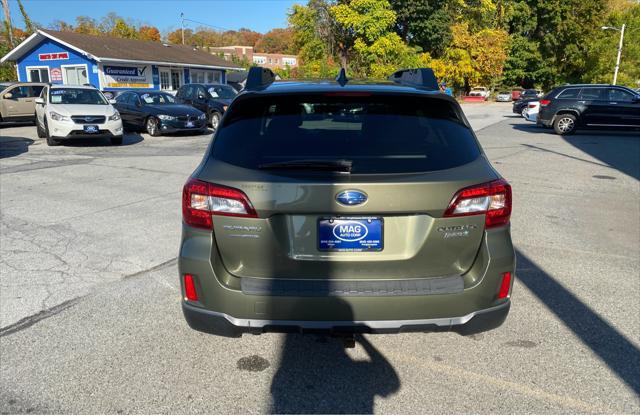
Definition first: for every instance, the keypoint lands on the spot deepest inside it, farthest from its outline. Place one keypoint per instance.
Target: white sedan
(66, 112)
(531, 114)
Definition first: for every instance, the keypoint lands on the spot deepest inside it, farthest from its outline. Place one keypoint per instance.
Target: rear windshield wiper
(325, 165)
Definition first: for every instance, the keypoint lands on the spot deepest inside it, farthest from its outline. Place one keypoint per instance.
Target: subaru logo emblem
(87, 119)
(351, 197)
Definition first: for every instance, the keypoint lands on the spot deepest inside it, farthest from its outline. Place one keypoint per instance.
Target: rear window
(376, 133)
(570, 93)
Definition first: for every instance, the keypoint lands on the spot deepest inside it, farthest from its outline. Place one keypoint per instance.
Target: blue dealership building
(112, 64)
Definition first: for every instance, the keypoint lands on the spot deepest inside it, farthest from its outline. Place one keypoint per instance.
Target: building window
(176, 78)
(165, 81)
(260, 60)
(289, 61)
(38, 74)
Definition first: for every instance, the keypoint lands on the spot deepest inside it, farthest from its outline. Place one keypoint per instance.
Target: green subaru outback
(343, 207)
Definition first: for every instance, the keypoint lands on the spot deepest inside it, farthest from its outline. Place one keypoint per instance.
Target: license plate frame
(91, 129)
(350, 239)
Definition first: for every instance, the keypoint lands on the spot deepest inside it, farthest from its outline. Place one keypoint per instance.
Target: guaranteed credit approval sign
(127, 76)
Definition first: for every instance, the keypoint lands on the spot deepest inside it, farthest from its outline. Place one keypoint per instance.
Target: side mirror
(112, 101)
(8, 95)
(39, 101)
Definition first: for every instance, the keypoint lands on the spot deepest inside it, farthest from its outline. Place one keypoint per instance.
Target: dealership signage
(128, 76)
(53, 56)
(56, 75)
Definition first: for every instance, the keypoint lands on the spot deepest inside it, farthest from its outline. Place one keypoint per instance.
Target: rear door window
(377, 133)
(593, 94)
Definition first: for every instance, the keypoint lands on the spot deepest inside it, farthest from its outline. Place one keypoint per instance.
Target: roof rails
(419, 78)
(259, 78)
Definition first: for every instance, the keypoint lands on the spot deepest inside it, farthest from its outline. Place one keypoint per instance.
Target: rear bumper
(224, 325)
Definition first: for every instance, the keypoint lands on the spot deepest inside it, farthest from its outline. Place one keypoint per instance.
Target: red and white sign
(53, 56)
(56, 74)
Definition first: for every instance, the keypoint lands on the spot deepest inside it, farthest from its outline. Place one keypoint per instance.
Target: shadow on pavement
(316, 375)
(13, 146)
(617, 149)
(611, 346)
(129, 139)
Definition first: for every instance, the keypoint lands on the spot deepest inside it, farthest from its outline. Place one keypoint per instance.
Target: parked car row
(572, 107)
(63, 112)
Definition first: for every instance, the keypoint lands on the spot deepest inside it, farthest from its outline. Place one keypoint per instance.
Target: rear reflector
(545, 102)
(505, 285)
(190, 288)
(491, 199)
(201, 200)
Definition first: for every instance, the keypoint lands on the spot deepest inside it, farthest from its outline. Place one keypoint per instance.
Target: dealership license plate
(189, 124)
(353, 234)
(91, 129)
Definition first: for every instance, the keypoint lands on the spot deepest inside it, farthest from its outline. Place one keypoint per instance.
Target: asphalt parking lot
(89, 294)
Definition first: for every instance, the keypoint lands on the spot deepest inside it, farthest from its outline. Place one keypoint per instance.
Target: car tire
(565, 124)
(116, 141)
(39, 130)
(152, 126)
(214, 120)
(50, 141)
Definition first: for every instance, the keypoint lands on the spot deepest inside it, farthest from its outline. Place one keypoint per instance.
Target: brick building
(268, 60)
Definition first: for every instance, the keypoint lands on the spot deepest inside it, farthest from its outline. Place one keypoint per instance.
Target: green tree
(424, 23)
(377, 50)
(603, 49)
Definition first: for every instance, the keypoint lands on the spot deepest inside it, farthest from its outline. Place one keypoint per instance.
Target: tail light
(491, 199)
(544, 102)
(190, 288)
(201, 200)
(532, 105)
(505, 285)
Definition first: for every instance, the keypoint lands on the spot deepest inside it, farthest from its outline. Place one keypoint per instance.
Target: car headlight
(58, 117)
(202, 116)
(115, 116)
(166, 117)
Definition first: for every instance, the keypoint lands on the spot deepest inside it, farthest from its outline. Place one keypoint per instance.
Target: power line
(205, 24)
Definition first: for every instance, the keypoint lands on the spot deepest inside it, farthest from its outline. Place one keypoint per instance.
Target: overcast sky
(259, 15)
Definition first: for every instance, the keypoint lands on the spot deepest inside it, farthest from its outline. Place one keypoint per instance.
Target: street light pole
(615, 73)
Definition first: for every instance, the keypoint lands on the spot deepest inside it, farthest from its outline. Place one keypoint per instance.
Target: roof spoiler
(419, 78)
(259, 78)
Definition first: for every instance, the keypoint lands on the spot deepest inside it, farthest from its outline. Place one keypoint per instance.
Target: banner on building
(127, 76)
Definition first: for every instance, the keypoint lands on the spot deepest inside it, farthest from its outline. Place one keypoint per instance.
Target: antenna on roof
(342, 77)
(259, 78)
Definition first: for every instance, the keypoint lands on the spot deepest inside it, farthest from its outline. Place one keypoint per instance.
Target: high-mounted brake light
(545, 102)
(201, 200)
(491, 199)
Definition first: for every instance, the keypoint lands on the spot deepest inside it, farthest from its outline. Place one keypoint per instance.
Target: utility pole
(621, 30)
(615, 73)
(7, 17)
(181, 24)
